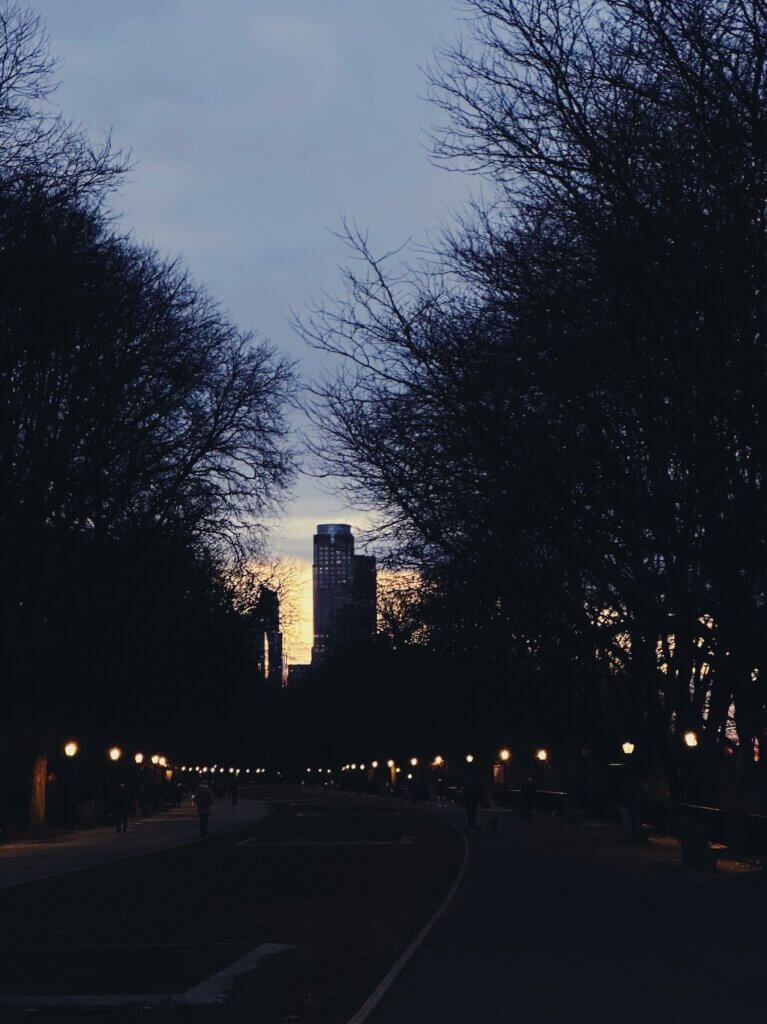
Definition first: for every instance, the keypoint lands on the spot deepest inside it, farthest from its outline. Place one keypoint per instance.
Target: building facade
(266, 638)
(344, 589)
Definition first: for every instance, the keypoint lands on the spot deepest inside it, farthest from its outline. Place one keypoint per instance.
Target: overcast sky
(254, 126)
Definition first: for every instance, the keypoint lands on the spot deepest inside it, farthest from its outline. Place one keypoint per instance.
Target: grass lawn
(348, 906)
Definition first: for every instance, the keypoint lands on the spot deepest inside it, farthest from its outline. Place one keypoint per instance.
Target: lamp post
(504, 756)
(69, 801)
(138, 760)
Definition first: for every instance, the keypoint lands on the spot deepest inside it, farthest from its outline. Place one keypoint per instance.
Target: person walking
(203, 798)
(528, 793)
(122, 808)
(472, 795)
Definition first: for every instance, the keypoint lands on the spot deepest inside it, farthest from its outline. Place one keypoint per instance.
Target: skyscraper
(266, 638)
(344, 589)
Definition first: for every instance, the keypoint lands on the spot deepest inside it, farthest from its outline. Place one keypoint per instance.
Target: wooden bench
(633, 829)
(697, 851)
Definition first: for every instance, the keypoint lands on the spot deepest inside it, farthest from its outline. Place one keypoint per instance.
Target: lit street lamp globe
(71, 748)
(469, 759)
(504, 754)
(691, 739)
(628, 747)
(139, 758)
(115, 754)
(542, 755)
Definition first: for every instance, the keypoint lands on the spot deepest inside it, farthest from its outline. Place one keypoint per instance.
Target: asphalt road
(563, 922)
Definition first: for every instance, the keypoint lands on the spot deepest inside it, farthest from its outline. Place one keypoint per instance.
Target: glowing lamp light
(438, 760)
(691, 739)
(469, 759)
(542, 755)
(414, 761)
(398, 770)
(308, 769)
(156, 759)
(71, 748)
(138, 758)
(247, 771)
(374, 764)
(362, 767)
(231, 771)
(410, 775)
(390, 763)
(115, 754)
(162, 761)
(504, 754)
(628, 747)
(222, 770)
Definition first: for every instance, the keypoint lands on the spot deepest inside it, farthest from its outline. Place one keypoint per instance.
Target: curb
(395, 970)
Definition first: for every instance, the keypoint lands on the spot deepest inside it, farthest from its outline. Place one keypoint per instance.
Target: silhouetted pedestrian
(203, 798)
(528, 793)
(472, 796)
(122, 807)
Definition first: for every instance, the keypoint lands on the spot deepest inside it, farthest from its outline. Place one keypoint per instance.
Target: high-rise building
(266, 638)
(344, 589)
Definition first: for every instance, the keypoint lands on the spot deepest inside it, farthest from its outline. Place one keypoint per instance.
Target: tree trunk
(37, 795)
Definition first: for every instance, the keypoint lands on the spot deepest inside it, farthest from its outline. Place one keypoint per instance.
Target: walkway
(31, 860)
(566, 923)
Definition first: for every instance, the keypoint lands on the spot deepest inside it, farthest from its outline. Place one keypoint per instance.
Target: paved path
(567, 924)
(29, 861)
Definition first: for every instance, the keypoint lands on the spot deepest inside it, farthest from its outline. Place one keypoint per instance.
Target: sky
(254, 126)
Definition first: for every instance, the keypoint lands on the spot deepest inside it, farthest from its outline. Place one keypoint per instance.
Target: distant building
(297, 674)
(344, 589)
(266, 638)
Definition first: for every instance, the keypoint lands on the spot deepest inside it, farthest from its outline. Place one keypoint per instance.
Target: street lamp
(155, 758)
(542, 755)
(139, 758)
(115, 754)
(414, 761)
(504, 754)
(162, 761)
(71, 748)
(628, 748)
(438, 760)
(691, 739)
(469, 759)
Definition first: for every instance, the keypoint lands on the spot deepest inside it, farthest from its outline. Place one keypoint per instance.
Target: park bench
(633, 829)
(697, 851)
